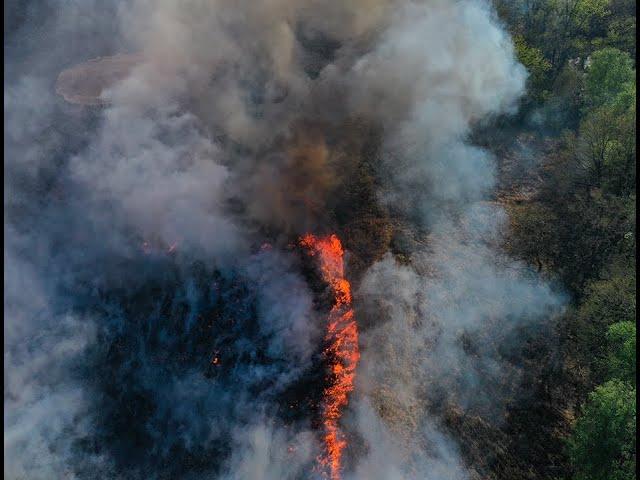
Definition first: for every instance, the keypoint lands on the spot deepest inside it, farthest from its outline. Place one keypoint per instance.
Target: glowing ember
(342, 349)
(148, 248)
(172, 247)
(265, 247)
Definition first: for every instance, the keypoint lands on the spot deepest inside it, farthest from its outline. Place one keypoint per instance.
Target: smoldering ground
(149, 330)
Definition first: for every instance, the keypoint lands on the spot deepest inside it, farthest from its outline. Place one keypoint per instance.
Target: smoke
(150, 332)
(265, 452)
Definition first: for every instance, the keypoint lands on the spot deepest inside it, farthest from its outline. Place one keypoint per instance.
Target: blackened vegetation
(301, 400)
(193, 323)
(199, 323)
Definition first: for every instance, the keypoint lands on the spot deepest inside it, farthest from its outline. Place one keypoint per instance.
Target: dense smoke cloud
(150, 330)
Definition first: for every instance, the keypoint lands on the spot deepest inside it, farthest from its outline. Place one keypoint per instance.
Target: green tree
(535, 63)
(621, 338)
(621, 161)
(607, 302)
(608, 73)
(606, 147)
(590, 19)
(597, 143)
(602, 446)
(621, 34)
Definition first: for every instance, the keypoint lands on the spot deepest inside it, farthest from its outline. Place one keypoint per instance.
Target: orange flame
(342, 350)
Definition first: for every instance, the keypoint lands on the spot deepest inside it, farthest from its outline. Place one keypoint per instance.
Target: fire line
(342, 348)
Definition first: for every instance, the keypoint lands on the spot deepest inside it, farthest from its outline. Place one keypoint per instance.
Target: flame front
(342, 347)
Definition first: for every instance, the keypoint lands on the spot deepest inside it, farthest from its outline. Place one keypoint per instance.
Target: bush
(603, 444)
(621, 338)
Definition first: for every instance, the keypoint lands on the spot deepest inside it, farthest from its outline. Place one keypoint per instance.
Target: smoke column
(165, 162)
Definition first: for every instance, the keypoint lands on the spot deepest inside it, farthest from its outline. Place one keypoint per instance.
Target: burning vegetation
(342, 349)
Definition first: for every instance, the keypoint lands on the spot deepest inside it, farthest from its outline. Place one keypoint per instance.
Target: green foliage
(625, 101)
(588, 13)
(564, 30)
(602, 446)
(621, 338)
(621, 34)
(607, 302)
(610, 301)
(597, 143)
(580, 226)
(608, 74)
(536, 64)
(606, 146)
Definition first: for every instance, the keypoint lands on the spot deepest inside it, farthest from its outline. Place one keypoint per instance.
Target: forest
(578, 226)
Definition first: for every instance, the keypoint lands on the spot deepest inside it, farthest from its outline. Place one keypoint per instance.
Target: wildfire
(342, 350)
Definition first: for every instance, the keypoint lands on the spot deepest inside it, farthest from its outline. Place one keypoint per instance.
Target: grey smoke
(151, 167)
(264, 451)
